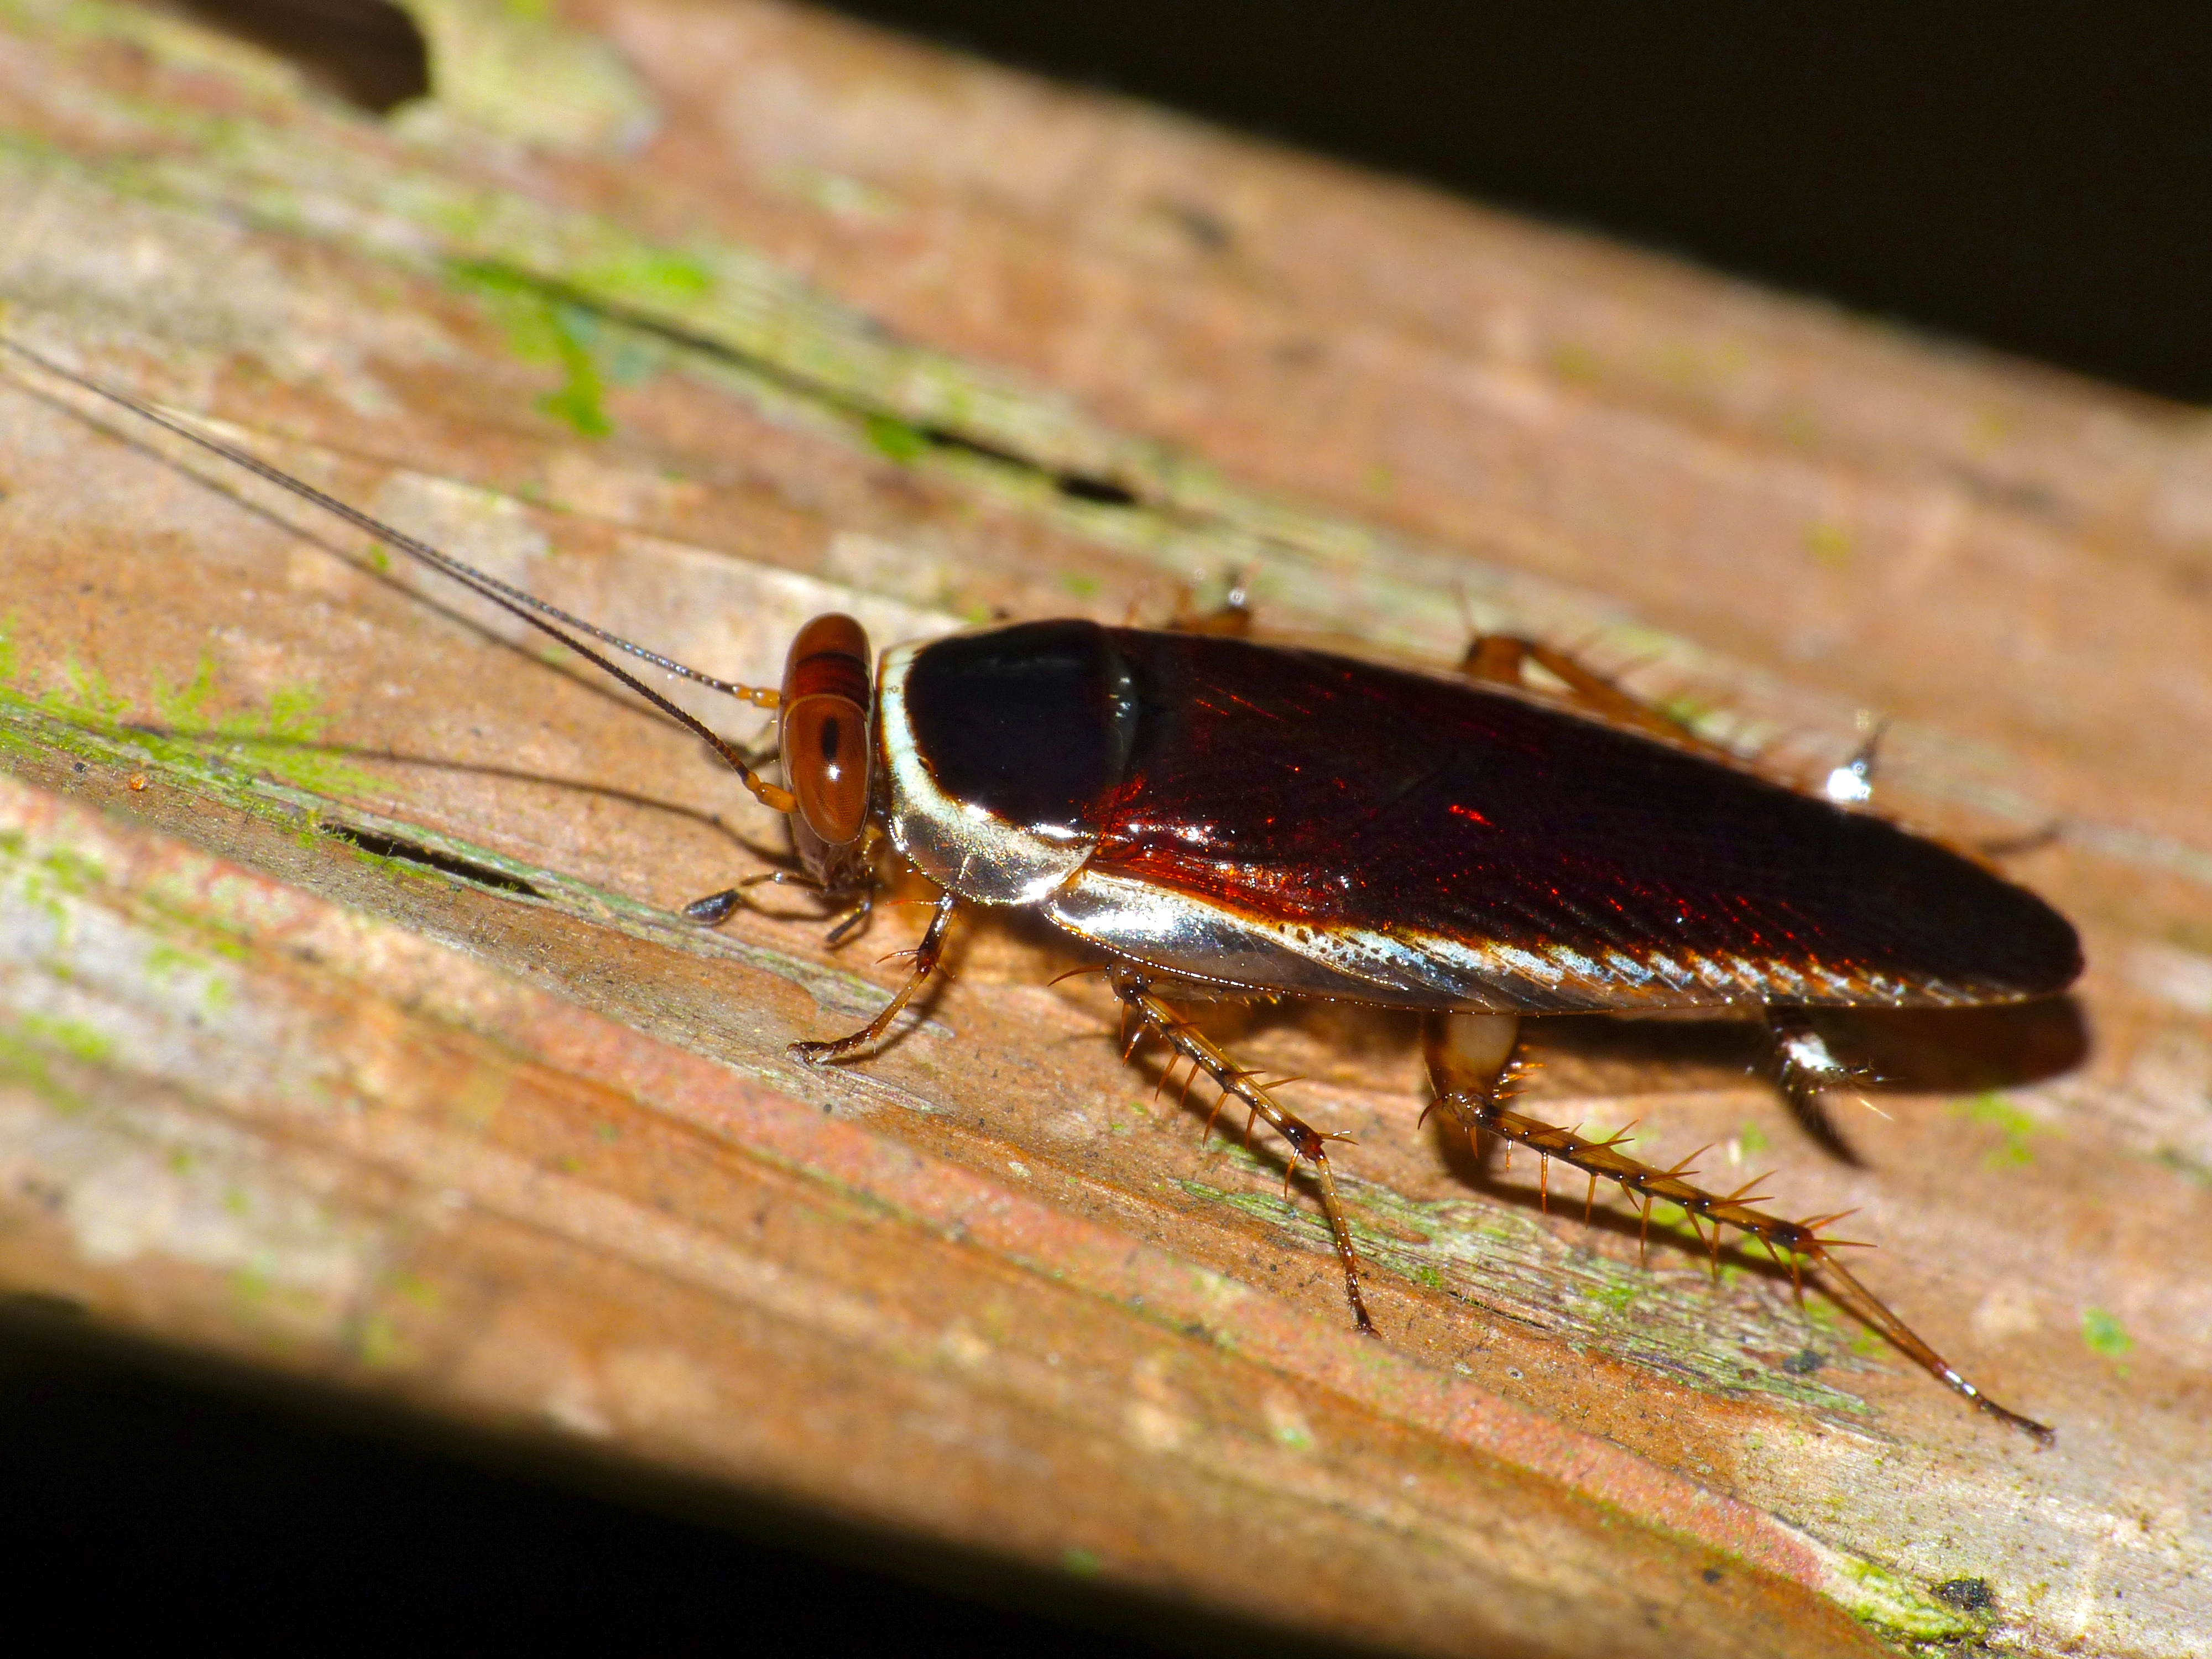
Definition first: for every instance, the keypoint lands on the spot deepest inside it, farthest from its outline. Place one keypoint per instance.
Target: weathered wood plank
(789, 314)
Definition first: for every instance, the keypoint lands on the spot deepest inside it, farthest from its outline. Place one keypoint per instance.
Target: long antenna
(526, 606)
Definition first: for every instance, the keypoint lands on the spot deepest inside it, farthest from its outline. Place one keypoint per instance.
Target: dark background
(2039, 182)
(2036, 178)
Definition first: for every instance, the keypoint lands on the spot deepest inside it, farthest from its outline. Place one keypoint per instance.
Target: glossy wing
(1297, 822)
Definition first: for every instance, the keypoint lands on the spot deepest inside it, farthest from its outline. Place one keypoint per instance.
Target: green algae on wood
(281, 737)
(2104, 1334)
(2017, 1126)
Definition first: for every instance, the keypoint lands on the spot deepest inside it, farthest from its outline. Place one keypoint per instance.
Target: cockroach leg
(1504, 659)
(1308, 1143)
(1231, 619)
(927, 957)
(1798, 1242)
(1802, 1066)
(718, 908)
(1182, 1099)
(1475, 1052)
(852, 919)
(1166, 1072)
(1851, 784)
(2028, 841)
(1206, 1135)
(1480, 1052)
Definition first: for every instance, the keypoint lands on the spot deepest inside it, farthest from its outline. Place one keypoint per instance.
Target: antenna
(529, 608)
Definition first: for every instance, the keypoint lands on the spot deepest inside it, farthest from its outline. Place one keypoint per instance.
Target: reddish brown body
(1340, 794)
(1287, 821)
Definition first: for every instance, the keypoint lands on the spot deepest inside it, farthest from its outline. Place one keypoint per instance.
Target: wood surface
(346, 1030)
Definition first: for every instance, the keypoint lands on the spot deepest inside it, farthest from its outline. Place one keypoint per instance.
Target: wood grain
(346, 1028)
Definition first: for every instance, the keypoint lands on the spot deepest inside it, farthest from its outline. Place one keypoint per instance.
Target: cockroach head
(821, 730)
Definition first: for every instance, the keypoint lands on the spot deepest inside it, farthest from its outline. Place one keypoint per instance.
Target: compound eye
(825, 764)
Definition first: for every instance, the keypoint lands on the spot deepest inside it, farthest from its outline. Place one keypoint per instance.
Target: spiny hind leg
(1479, 1056)
(1475, 1052)
(1474, 1057)
(1504, 659)
(1802, 1066)
(1482, 1111)
(1307, 1143)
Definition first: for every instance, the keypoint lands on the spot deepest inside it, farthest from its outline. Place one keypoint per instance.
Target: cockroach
(1219, 818)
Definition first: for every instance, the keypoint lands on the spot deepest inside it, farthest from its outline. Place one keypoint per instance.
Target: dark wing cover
(1490, 850)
